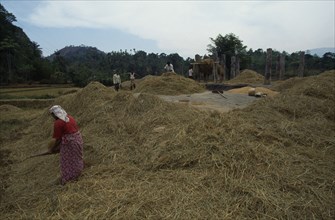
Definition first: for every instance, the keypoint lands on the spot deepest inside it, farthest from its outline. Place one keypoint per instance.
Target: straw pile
(126, 84)
(207, 61)
(9, 108)
(168, 84)
(317, 86)
(245, 90)
(247, 76)
(149, 159)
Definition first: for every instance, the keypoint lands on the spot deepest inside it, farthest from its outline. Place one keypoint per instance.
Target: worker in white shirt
(132, 80)
(169, 67)
(116, 81)
(190, 72)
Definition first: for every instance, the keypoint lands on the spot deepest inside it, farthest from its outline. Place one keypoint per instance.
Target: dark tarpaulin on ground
(223, 87)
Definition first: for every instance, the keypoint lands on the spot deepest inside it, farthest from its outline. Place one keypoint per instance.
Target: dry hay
(169, 74)
(320, 86)
(126, 84)
(148, 76)
(245, 90)
(9, 108)
(206, 67)
(168, 84)
(247, 76)
(9, 112)
(207, 61)
(150, 159)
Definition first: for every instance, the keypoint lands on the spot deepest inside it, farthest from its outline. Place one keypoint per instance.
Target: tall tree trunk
(282, 66)
(277, 67)
(223, 64)
(237, 66)
(196, 72)
(232, 67)
(214, 71)
(267, 78)
(215, 67)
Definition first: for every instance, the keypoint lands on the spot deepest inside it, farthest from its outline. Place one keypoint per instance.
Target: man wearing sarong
(132, 81)
(68, 142)
(116, 81)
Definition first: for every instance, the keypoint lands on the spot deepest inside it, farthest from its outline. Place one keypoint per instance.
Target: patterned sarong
(71, 157)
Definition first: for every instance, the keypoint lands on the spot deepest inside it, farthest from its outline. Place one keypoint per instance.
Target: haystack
(126, 84)
(247, 76)
(9, 108)
(146, 158)
(207, 61)
(169, 84)
(320, 86)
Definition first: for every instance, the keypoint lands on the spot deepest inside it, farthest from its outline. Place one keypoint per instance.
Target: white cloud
(186, 26)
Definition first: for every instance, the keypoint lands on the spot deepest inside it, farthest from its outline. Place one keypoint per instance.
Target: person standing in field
(132, 80)
(116, 81)
(190, 72)
(169, 67)
(67, 140)
(119, 80)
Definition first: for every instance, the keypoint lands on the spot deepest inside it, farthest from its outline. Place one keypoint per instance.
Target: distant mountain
(78, 53)
(320, 51)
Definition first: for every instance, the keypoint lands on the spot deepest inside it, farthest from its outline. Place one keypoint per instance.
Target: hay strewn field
(151, 159)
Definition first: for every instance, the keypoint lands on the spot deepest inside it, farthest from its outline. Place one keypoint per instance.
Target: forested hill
(81, 64)
(20, 58)
(79, 53)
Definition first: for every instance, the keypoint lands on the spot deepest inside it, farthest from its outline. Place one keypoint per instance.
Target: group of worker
(67, 139)
(117, 79)
(169, 68)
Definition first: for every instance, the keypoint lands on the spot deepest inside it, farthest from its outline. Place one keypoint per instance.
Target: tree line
(95, 65)
(230, 45)
(22, 61)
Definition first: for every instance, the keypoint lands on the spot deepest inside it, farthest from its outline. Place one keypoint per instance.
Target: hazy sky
(182, 27)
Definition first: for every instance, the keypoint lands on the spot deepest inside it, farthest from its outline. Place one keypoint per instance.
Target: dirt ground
(213, 101)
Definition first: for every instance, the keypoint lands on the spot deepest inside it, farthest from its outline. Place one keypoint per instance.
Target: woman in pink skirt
(68, 142)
